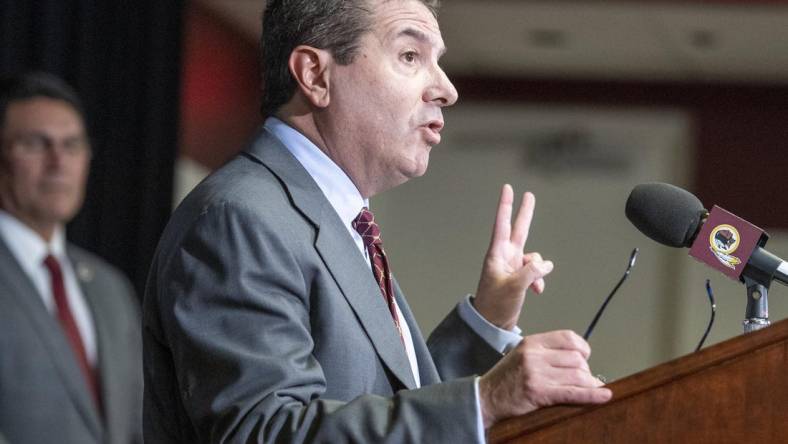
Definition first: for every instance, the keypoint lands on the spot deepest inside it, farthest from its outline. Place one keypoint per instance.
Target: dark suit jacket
(43, 395)
(262, 322)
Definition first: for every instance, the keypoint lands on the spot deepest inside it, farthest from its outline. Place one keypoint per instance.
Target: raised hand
(507, 271)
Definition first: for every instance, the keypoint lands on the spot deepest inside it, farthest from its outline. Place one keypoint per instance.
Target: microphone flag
(726, 242)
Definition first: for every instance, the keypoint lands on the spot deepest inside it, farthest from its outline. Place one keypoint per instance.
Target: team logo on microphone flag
(723, 241)
(726, 242)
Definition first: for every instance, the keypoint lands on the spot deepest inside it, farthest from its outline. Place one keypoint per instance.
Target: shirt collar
(340, 191)
(27, 246)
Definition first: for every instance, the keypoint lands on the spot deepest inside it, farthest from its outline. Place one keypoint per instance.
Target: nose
(55, 156)
(59, 154)
(441, 90)
(53, 160)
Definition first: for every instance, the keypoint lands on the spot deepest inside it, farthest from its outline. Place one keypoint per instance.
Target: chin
(63, 213)
(421, 171)
(418, 168)
(421, 161)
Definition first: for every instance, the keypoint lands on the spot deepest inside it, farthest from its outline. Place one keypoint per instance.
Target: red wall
(220, 96)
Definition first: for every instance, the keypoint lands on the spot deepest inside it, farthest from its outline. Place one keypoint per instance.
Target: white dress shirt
(30, 250)
(347, 201)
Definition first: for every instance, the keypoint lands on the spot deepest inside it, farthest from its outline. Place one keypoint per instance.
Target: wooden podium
(732, 392)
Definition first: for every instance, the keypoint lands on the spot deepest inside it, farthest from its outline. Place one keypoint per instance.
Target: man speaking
(271, 313)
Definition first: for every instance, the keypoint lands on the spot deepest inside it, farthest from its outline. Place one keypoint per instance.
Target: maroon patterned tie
(70, 328)
(365, 224)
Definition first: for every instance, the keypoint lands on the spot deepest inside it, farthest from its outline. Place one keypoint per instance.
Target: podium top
(693, 373)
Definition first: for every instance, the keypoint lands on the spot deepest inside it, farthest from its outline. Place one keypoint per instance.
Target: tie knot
(365, 224)
(52, 264)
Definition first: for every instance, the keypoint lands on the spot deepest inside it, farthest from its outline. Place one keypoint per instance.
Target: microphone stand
(756, 316)
(762, 269)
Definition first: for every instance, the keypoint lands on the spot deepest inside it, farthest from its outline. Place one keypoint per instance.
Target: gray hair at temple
(334, 25)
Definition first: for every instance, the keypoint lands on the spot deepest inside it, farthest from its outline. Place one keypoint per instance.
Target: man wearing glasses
(70, 353)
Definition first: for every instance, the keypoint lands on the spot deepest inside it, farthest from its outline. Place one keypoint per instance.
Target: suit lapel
(25, 294)
(338, 252)
(427, 371)
(354, 277)
(105, 332)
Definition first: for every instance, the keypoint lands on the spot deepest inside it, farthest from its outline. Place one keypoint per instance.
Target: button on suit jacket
(263, 323)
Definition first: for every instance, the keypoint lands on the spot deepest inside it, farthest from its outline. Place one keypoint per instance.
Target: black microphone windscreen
(665, 213)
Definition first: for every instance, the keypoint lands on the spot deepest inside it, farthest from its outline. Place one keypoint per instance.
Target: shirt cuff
(498, 338)
(480, 435)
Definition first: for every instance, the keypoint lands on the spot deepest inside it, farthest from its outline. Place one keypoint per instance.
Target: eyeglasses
(711, 319)
(36, 144)
(630, 264)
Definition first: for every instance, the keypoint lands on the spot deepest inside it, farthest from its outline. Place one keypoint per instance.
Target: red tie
(70, 328)
(365, 224)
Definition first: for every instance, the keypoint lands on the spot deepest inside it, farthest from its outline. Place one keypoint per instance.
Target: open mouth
(432, 131)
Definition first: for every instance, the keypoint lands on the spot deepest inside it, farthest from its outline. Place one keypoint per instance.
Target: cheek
(82, 169)
(25, 177)
(390, 101)
(72, 170)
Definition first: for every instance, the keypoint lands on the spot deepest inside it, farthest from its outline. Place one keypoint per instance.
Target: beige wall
(436, 228)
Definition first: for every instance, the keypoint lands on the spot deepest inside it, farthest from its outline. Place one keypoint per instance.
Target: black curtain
(123, 58)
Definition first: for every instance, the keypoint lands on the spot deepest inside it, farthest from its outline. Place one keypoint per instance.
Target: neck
(46, 233)
(45, 230)
(307, 124)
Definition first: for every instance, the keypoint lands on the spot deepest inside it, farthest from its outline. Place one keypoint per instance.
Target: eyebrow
(44, 135)
(420, 36)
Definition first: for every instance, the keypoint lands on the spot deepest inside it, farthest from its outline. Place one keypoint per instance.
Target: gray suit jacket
(43, 395)
(262, 323)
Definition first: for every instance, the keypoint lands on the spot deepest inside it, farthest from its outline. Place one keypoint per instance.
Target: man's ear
(310, 69)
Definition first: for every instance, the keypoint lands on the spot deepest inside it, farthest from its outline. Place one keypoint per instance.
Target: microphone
(723, 241)
(675, 217)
